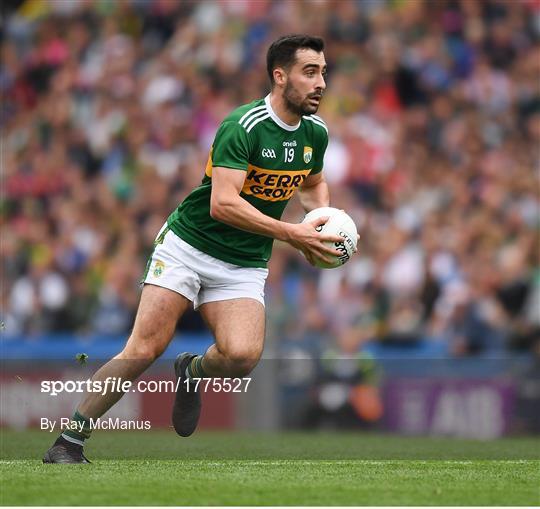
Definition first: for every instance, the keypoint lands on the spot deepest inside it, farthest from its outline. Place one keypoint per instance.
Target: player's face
(305, 82)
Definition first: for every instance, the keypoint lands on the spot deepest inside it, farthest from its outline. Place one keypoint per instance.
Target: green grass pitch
(159, 468)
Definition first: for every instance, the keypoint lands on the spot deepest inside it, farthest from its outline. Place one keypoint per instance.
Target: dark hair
(282, 52)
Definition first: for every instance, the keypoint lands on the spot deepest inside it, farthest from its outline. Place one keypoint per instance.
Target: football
(340, 223)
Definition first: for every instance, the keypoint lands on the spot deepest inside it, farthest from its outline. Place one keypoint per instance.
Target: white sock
(72, 440)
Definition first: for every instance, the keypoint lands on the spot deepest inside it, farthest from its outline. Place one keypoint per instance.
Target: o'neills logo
(340, 246)
(272, 185)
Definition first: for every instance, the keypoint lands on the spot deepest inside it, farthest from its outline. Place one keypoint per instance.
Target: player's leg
(158, 313)
(155, 323)
(170, 287)
(238, 328)
(231, 300)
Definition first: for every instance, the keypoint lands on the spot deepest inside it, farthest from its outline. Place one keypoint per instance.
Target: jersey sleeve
(321, 143)
(231, 146)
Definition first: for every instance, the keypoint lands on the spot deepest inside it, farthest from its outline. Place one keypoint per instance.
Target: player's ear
(280, 76)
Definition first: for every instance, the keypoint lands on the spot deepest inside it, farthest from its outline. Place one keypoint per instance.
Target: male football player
(213, 251)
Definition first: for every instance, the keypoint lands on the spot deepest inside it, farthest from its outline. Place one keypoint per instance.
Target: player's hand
(306, 238)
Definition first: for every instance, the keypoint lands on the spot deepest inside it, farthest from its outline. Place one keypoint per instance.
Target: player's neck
(278, 105)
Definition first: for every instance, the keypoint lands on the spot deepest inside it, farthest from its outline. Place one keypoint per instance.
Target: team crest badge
(159, 267)
(308, 153)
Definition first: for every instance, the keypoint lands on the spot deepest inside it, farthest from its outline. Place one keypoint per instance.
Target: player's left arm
(313, 192)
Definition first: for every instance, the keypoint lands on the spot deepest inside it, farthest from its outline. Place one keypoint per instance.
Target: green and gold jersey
(276, 158)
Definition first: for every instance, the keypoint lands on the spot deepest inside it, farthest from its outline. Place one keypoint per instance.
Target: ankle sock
(195, 369)
(78, 430)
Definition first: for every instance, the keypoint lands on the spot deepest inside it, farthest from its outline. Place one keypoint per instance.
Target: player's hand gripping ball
(341, 224)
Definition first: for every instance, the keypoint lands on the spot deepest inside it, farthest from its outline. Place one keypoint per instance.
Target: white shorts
(178, 266)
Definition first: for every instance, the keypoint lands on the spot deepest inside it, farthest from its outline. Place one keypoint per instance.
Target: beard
(297, 104)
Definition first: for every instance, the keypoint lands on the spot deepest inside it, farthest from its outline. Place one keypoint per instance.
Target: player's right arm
(227, 206)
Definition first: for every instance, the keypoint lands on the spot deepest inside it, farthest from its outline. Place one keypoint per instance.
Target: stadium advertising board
(481, 409)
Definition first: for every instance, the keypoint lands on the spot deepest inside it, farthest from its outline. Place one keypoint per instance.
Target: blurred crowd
(109, 108)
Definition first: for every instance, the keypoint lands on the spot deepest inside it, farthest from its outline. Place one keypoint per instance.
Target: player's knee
(242, 367)
(242, 360)
(143, 349)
